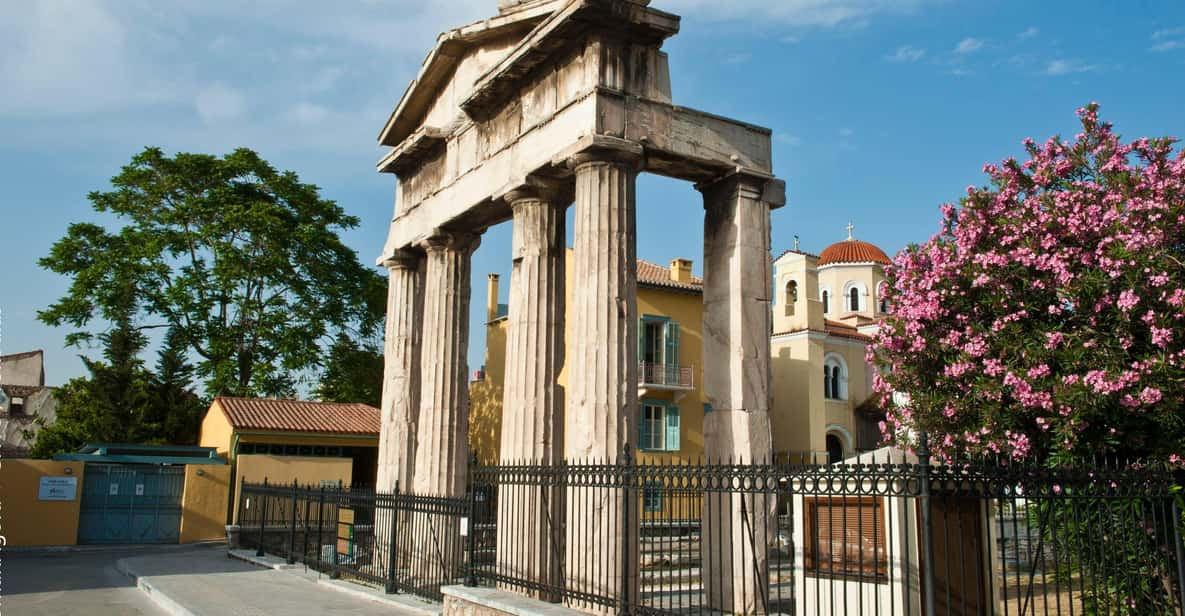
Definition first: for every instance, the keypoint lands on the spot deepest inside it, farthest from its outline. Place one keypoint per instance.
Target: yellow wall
(203, 503)
(686, 309)
(26, 521)
(284, 470)
(485, 397)
(216, 431)
(801, 415)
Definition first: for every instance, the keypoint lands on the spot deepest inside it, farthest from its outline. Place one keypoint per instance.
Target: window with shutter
(672, 443)
(652, 429)
(845, 537)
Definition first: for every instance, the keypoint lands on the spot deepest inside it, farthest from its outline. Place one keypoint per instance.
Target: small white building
(859, 554)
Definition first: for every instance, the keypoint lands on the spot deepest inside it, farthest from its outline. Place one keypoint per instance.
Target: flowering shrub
(1046, 319)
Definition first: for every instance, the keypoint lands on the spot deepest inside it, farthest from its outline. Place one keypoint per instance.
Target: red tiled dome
(852, 251)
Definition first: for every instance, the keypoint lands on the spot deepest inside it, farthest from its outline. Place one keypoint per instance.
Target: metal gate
(131, 503)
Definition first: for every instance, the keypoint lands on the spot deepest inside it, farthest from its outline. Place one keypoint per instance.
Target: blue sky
(881, 110)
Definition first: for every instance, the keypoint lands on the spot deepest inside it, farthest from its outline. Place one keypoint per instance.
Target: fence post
(320, 528)
(337, 511)
(292, 528)
(242, 497)
(391, 588)
(1180, 550)
(304, 537)
(262, 517)
(625, 464)
(926, 557)
(471, 527)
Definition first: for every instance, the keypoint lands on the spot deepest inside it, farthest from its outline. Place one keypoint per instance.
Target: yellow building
(670, 351)
(826, 308)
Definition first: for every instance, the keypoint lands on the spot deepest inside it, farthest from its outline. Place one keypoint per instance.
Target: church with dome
(826, 308)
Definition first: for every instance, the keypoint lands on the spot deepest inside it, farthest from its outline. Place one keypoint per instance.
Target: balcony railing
(667, 375)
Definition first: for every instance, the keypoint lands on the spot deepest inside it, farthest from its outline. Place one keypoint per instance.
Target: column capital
(441, 240)
(751, 184)
(627, 155)
(402, 260)
(536, 188)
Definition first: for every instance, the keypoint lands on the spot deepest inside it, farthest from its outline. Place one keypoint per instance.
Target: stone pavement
(55, 582)
(208, 582)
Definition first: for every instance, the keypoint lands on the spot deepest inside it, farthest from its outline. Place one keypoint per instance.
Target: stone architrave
(602, 393)
(530, 518)
(737, 288)
(401, 371)
(442, 447)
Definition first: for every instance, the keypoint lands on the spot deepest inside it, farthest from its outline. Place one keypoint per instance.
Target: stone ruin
(548, 104)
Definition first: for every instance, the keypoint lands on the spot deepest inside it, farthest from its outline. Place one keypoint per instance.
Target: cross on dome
(850, 227)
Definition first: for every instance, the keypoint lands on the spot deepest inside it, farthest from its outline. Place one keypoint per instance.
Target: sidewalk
(209, 582)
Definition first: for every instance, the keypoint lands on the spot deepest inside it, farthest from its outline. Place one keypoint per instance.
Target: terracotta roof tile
(300, 416)
(852, 251)
(835, 328)
(658, 276)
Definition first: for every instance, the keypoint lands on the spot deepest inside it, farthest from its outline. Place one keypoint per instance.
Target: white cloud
(1029, 33)
(1066, 67)
(798, 13)
(219, 102)
(906, 53)
(968, 45)
(1168, 39)
(60, 57)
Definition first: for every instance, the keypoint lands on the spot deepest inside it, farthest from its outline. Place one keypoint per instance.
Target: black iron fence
(401, 542)
(882, 536)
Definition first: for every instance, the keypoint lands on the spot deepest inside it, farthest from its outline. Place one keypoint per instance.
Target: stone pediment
(480, 45)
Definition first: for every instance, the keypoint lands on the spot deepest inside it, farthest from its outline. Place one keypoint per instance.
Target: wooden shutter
(672, 357)
(644, 428)
(847, 536)
(672, 443)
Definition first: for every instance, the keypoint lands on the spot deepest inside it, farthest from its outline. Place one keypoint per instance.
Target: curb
(401, 603)
(70, 549)
(145, 585)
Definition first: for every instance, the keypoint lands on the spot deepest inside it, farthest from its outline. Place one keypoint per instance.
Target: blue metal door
(131, 503)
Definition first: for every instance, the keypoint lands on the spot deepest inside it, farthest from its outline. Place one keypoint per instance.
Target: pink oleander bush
(1046, 320)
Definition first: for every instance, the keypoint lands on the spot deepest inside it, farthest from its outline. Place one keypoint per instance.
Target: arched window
(826, 297)
(834, 449)
(835, 378)
(791, 296)
(854, 293)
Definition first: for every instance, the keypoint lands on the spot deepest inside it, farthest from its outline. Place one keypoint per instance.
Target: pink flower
(1053, 340)
(1161, 336)
(1150, 395)
(1128, 300)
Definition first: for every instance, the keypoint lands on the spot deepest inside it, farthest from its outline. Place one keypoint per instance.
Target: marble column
(602, 367)
(442, 442)
(401, 371)
(530, 517)
(736, 327)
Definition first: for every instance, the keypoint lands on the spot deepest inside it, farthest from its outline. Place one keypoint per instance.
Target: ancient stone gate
(550, 103)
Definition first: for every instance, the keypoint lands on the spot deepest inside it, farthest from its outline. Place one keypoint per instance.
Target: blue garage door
(131, 503)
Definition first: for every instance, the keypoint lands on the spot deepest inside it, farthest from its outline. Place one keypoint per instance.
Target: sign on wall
(57, 489)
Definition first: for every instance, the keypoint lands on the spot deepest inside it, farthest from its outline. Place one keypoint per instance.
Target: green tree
(242, 263)
(353, 373)
(110, 405)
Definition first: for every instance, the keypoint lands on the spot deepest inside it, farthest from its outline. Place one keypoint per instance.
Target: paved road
(55, 583)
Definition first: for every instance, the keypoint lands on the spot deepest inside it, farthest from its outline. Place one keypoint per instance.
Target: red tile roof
(300, 416)
(852, 251)
(653, 275)
(843, 330)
